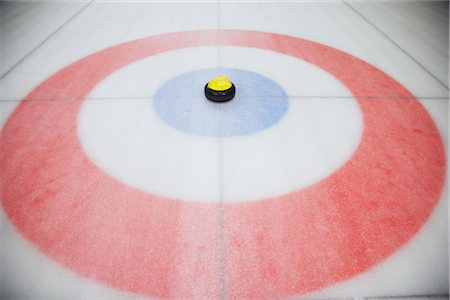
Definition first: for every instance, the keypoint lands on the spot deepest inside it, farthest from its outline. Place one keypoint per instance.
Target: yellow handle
(220, 83)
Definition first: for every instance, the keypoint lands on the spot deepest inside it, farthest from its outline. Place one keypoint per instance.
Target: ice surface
(425, 39)
(123, 136)
(26, 25)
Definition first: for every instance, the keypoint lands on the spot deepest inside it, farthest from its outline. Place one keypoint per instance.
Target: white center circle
(121, 133)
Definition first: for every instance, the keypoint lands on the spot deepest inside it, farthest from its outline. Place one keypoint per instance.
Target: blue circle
(258, 104)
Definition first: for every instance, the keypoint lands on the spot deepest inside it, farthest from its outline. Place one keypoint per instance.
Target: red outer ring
(337, 228)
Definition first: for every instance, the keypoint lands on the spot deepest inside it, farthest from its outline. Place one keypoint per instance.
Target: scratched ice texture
(77, 221)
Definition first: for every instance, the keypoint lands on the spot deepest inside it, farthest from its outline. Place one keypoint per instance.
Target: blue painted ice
(259, 103)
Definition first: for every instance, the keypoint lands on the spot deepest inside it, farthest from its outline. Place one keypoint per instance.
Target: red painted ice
(306, 240)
